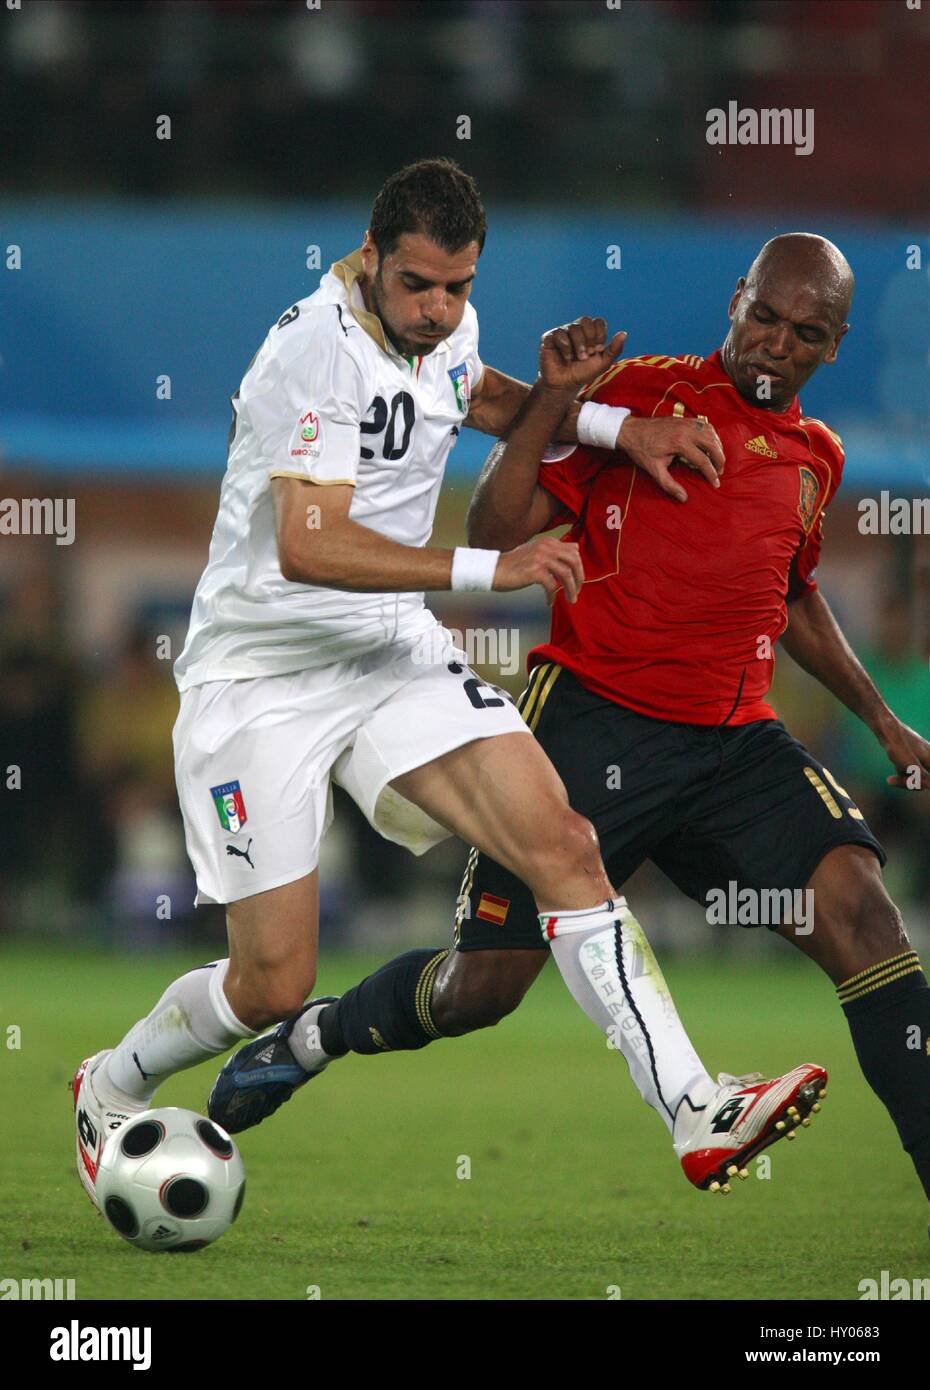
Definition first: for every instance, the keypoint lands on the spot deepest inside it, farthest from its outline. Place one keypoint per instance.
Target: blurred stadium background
(144, 258)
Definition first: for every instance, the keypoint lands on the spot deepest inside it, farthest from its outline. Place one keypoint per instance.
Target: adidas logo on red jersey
(760, 446)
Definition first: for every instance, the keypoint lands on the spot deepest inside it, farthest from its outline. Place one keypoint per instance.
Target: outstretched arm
(500, 402)
(319, 543)
(816, 642)
(508, 504)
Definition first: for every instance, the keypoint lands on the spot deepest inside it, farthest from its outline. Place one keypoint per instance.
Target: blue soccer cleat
(260, 1077)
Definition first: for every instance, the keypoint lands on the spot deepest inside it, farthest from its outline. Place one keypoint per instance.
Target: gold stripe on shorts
(545, 690)
(468, 879)
(528, 698)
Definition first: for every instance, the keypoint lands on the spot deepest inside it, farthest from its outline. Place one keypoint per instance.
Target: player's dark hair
(434, 197)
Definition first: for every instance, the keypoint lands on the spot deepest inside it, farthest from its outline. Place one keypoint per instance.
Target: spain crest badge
(808, 495)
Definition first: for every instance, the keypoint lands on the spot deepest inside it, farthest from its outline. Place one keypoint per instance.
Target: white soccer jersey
(326, 398)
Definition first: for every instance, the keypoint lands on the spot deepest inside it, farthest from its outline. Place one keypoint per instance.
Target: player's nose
(778, 343)
(434, 308)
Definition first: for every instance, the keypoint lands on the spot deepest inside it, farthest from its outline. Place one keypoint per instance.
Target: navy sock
(388, 1012)
(888, 1011)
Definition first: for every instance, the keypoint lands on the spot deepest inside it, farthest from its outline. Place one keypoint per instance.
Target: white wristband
(473, 570)
(599, 425)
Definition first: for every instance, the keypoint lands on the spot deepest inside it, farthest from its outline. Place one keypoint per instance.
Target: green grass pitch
(353, 1188)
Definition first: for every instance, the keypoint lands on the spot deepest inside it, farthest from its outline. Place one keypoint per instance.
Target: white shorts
(254, 759)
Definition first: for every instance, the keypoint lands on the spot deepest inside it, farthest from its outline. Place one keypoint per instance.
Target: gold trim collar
(347, 272)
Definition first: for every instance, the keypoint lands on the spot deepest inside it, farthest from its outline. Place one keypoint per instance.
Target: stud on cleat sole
(743, 1173)
(714, 1187)
(792, 1134)
(779, 1125)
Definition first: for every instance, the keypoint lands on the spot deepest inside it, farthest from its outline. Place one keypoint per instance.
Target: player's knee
(566, 849)
(864, 917)
(269, 996)
(876, 923)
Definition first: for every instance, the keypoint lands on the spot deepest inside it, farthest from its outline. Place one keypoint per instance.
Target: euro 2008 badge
(230, 806)
(305, 440)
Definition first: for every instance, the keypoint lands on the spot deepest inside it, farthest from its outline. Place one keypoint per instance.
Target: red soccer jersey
(682, 602)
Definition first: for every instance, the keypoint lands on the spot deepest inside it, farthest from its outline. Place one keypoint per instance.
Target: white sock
(612, 973)
(304, 1041)
(191, 1021)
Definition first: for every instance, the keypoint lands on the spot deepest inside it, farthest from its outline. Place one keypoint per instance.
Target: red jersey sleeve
(829, 469)
(633, 383)
(801, 581)
(569, 479)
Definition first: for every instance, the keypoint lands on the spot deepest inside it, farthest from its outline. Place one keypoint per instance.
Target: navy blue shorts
(712, 806)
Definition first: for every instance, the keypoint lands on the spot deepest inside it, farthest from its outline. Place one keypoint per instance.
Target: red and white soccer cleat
(745, 1116)
(94, 1123)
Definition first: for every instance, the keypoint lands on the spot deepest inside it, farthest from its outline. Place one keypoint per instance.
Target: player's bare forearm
(815, 640)
(353, 557)
(497, 403)
(508, 506)
(319, 544)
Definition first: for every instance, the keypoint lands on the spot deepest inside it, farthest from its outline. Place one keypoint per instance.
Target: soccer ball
(170, 1180)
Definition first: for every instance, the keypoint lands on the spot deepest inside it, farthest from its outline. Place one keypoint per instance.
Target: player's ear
(737, 296)
(369, 257)
(835, 345)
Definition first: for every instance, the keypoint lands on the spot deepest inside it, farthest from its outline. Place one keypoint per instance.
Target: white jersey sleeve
(304, 399)
(473, 362)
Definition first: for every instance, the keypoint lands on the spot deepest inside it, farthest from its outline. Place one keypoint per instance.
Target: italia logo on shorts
(460, 384)
(230, 806)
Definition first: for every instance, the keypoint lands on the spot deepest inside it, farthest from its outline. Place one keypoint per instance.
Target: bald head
(787, 317)
(804, 258)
